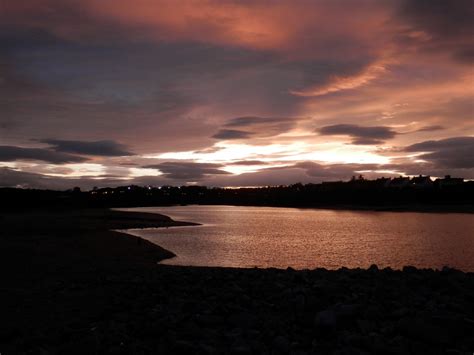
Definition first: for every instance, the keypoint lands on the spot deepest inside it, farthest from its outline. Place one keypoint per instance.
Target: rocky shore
(71, 286)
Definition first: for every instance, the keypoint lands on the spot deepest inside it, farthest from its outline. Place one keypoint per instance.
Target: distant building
(382, 182)
(422, 182)
(331, 185)
(398, 183)
(449, 181)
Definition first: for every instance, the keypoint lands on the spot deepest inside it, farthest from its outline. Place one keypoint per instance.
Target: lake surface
(309, 238)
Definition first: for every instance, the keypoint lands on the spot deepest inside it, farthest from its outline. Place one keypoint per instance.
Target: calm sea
(309, 238)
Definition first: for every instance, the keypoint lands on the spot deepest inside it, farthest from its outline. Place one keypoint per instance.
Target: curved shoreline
(167, 254)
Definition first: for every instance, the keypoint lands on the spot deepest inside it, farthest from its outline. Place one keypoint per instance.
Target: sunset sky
(233, 93)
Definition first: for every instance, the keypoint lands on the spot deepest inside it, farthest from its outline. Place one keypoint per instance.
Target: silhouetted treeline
(398, 193)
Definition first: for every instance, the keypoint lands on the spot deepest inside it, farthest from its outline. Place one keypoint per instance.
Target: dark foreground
(71, 286)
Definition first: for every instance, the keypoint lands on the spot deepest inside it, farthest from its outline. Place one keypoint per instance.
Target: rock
(183, 347)
(355, 339)
(299, 302)
(240, 350)
(242, 320)
(400, 312)
(347, 311)
(419, 329)
(373, 311)
(86, 345)
(207, 349)
(366, 326)
(209, 319)
(326, 320)
(281, 345)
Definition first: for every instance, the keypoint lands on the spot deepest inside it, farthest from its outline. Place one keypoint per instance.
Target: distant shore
(372, 195)
(70, 285)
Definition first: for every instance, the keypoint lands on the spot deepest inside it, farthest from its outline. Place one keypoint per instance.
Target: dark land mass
(398, 194)
(72, 286)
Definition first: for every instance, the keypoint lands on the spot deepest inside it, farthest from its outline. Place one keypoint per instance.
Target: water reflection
(304, 238)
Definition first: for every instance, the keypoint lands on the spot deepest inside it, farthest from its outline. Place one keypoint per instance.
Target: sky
(233, 93)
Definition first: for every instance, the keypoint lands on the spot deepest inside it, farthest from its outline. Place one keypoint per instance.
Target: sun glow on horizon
(277, 155)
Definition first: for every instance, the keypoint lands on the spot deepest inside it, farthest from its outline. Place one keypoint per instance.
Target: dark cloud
(189, 171)
(445, 18)
(366, 141)
(254, 126)
(250, 121)
(248, 162)
(453, 152)
(449, 143)
(23, 179)
(106, 148)
(413, 166)
(12, 153)
(231, 134)
(431, 128)
(465, 55)
(448, 25)
(138, 89)
(14, 178)
(359, 134)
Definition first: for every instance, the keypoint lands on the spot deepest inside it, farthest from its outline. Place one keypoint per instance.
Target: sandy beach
(71, 285)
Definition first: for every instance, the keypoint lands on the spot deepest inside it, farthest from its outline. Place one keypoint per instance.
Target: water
(305, 238)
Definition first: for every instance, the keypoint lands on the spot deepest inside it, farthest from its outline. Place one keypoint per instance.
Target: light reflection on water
(308, 238)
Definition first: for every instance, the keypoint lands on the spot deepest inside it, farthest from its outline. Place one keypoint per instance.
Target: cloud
(249, 121)
(186, 172)
(444, 18)
(248, 162)
(189, 171)
(12, 153)
(107, 148)
(360, 135)
(228, 134)
(333, 171)
(165, 76)
(339, 83)
(431, 128)
(255, 25)
(453, 152)
(442, 26)
(14, 178)
(23, 179)
(304, 172)
(254, 126)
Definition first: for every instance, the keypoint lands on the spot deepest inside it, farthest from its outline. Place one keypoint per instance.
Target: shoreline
(71, 285)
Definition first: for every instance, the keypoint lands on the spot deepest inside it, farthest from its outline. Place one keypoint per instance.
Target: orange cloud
(339, 83)
(293, 27)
